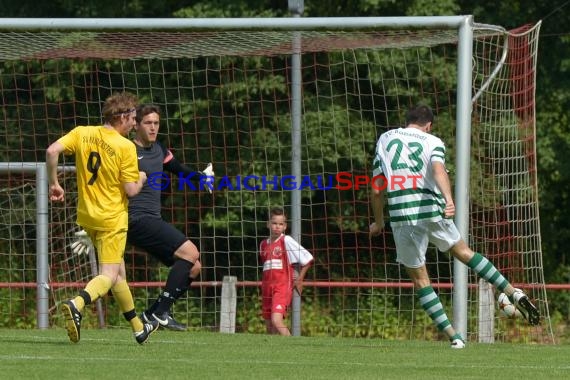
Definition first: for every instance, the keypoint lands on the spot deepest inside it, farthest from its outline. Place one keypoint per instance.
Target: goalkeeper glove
(82, 244)
(209, 173)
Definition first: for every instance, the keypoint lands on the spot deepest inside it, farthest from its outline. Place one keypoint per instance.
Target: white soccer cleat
(457, 344)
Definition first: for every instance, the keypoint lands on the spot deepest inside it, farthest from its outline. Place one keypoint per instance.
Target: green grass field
(114, 354)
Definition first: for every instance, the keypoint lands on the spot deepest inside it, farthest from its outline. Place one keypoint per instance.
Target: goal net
(226, 98)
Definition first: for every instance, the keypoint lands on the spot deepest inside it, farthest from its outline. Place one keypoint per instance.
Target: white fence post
(228, 307)
(486, 312)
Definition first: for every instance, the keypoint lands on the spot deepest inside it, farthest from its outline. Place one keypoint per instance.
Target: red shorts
(275, 299)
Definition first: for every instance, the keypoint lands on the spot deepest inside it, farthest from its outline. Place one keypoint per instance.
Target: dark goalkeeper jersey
(155, 161)
(151, 161)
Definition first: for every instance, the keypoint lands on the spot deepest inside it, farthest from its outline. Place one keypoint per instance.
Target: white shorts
(412, 241)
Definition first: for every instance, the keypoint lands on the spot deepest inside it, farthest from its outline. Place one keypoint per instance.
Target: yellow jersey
(104, 160)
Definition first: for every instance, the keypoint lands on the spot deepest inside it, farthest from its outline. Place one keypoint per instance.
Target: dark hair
(145, 109)
(278, 210)
(420, 115)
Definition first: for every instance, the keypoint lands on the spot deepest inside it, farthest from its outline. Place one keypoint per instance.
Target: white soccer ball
(506, 307)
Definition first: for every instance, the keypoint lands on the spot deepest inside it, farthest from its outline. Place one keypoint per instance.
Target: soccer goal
(289, 111)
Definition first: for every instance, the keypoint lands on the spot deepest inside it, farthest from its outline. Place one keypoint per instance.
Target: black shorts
(157, 237)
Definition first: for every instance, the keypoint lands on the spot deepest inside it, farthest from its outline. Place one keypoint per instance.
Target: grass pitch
(114, 354)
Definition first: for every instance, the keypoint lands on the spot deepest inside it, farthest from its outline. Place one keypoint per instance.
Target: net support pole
(462, 175)
(42, 262)
(296, 8)
(42, 233)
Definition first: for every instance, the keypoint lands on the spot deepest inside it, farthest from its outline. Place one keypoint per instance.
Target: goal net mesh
(226, 99)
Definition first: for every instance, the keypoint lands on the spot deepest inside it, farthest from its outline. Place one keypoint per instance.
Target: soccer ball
(506, 307)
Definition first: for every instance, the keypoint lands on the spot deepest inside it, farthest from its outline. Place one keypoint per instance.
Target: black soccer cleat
(165, 320)
(148, 328)
(146, 317)
(72, 320)
(527, 309)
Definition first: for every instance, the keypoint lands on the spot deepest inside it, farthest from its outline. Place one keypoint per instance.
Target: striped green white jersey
(403, 157)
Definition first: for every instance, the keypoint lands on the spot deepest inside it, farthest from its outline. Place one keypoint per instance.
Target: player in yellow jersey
(107, 174)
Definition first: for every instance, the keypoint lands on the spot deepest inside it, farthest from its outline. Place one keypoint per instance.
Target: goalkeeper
(148, 231)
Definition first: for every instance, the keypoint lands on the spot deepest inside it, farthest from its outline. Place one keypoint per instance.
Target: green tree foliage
(91, 8)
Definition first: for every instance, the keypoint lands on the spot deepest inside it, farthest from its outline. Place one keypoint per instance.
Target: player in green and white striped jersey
(409, 165)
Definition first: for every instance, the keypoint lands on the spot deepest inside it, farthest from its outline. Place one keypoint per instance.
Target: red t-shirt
(277, 282)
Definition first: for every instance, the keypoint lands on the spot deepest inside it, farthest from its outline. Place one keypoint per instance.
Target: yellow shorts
(110, 245)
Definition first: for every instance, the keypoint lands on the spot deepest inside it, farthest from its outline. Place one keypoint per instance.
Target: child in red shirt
(278, 253)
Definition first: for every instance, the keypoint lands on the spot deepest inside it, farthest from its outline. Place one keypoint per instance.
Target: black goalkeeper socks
(176, 284)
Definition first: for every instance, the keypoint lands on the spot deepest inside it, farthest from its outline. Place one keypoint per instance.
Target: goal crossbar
(262, 23)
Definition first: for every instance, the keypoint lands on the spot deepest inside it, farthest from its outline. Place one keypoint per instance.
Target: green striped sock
(456, 336)
(430, 302)
(487, 271)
